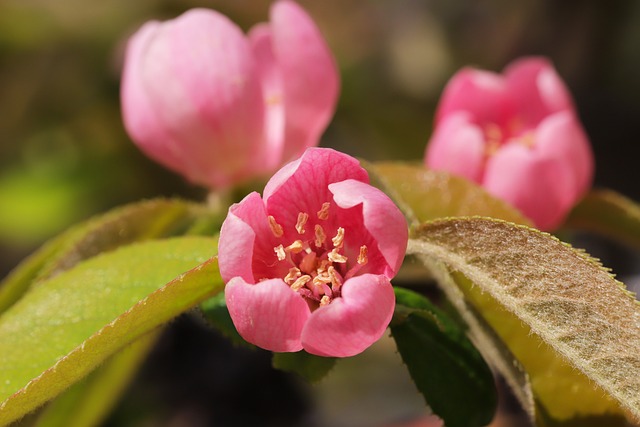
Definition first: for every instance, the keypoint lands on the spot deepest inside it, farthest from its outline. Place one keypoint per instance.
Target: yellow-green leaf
(572, 326)
(89, 401)
(121, 226)
(64, 328)
(608, 213)
(424, 195)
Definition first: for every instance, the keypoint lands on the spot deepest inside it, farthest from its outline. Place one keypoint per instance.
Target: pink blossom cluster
(517, 135)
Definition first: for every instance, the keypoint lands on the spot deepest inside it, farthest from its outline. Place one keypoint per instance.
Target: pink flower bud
(308, 265)
(219, 107)
(517, 135)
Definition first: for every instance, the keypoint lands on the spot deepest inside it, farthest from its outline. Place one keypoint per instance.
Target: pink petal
(200, 75)
(238, 235)
(480, 93)
(268, 314)
(140, 119)
(272, 92)
(310, 76)
(381, 218)
(246, 244)
(536, 89)
(302, 186)
(353, 322)
(542, 188)
(561, 136)
(457, 146)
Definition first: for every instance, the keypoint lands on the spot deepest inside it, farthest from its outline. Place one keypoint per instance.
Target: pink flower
(308, 265)
(517, 135)
(220, 107)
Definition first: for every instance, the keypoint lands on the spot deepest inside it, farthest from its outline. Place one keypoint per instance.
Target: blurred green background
(64, 155)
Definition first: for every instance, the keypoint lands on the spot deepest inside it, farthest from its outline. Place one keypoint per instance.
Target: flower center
(317, 264)
(496, 136)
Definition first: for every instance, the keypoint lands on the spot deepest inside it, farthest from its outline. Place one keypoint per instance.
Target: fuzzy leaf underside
(64, 328)
(573, 327)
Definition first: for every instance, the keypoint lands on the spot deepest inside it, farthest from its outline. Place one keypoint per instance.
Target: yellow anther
(280, 253)
(276, 228)
(320, 236)
(296, 247)
(300, 282)
(302, 220)
(338, 240)
(325, 300)
(362, 256)
(334, 256)
(335, 278)
(293, 274)
(323, 213)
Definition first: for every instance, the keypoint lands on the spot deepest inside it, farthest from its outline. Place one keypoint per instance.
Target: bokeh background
(64, 155)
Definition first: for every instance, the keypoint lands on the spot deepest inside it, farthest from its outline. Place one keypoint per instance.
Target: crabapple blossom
(308, 265)
(221, 107)
(517, 135)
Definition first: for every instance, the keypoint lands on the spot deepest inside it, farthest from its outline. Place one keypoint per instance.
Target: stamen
(276, 228)
(336, 281)
(296, 247)
(322, 278)
(300, 282)
(320, 236)
(362, 256)
(325, 300)
(334, 256)
(293, 274)
(338, 240)
(323, 213)
(302, 220)
(279, 250)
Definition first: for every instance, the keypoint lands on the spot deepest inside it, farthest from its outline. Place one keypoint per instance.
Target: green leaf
(564, 317)
(445, 366)
(608, 213)
(121, 226)
(63, 329)
(424, 195)
(308, 366)
(87, 402)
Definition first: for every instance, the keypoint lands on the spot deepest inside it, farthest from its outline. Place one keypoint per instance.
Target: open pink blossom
(219, 107)
(517, 135)
(308, 264)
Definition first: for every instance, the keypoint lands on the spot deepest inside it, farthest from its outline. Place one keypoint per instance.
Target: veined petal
(238, 236)
(310, 76)
(302, 186)
(268, 314)
(457, 146)
(561, 136)
(480, 93)
(380, 217)
(353, 322)
(542, 188)
(536, 89)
